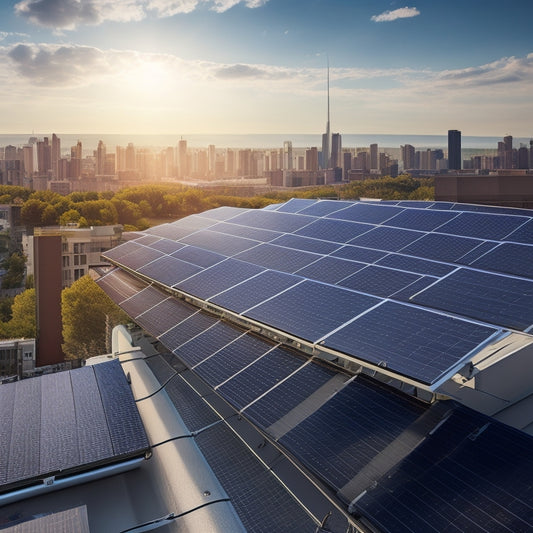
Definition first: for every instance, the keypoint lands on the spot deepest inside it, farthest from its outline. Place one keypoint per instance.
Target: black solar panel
(66, 423)
(360, 212)
(294, 205)
(410, 341)
(220, 243)
(164, 316)
(198, 256)
(379, 281)
(330, 269)
(198, 346)
(232, 359)
(218, 278)
(257, 234)
(357, 253)
(277, 257)
(415, 264)
(119, 286)
(482, 225)
(186, 330)
(389, 239)
(347, 432)
(492, 298)
(169, 270)
(255, 290)
(259, 377)
(222, 213)
(334, 230)
(254, 490)
(458, 480)
(306, 244)
(166, 246)
(508, 258)
(283, 222)
(325, 207)
(421, 219)
(288, 394)
(310, 310)
(523, 234)
(143, 300)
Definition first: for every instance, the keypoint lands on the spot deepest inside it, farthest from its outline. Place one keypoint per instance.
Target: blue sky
(259, 66)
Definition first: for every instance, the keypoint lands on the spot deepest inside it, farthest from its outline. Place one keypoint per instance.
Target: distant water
(90, 141)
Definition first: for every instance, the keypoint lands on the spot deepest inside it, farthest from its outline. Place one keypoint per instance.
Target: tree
(32, 212)
(15, 265)
(85, 307)
(23, 321)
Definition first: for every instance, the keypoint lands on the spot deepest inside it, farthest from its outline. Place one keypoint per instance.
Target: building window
(66, 261)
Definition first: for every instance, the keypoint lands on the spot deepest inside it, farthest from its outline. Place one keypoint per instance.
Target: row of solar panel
(359, 424)
(88, 416)
(407, 340)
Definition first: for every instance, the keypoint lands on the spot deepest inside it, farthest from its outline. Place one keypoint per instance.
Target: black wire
(173, 516)
(159, 389)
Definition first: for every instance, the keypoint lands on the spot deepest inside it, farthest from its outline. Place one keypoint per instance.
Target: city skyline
(259, 66)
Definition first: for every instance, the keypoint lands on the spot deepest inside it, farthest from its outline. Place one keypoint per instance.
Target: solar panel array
(322, 270)
(84, 418)
(418, 309)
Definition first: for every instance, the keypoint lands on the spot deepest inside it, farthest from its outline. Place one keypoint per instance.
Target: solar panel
(283, 222)
(350, 430)
(421, 219)
(415, 264)
(257, 234)
(186, 330)
(59, 435)
(67, 422)
(125, 425)
(198, 256)
(198, 347)
(310, 310)
(140, 257)
(254, 490)
(371, 213)
(410, 341)
(305, 244)
(147, 240)
(169, 270)
(482, 225)
(218, 278)
(255, 290)
(389, 239)
(294, 205)
(168, 231)
(458, 479)
(122, 250)
(277, 257)
(119, 286)
(165, 316)
(160, 368)
(492, 298)
(213, 241)
(379, 281)
(222, 213)
(166, 246)
(231, 359)
(508, 257)
(330, 269)
(259, 377)
(477, 252)
(523, 234)
(93, 434)
(439, 247)
(357, 253)
(333, 230)
(321, 208)
(142, 301)
(287, 395)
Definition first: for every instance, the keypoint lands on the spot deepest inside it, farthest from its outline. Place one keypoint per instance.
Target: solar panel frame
(331, 269)
(388, 239)
(333, 230)
(164, 316)
(219, 243)
(410, 341)
(510, 258)
(305, 244)
(282, 222)
(256, 234)
(371, 213)
(421, 219)
(169, 270)
(198, 256)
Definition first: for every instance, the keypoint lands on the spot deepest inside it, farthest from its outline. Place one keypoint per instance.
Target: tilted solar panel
(360, 212)
(409, 340)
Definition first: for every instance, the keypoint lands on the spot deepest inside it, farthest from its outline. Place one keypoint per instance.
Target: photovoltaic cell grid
(119, 286)
(67, 422)
(411, 341)
(347, 432)
(458, 480)
(348, 244)
(165, 315)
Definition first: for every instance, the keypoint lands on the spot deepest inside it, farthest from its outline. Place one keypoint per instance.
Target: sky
(260, 66)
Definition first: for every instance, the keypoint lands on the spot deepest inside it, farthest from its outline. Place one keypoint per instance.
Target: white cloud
(69, 14)
(401, 13)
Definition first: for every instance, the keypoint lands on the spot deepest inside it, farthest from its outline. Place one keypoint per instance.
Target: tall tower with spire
(326, 138)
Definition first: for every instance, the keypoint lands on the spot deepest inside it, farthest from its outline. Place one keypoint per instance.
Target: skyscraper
(326, 139)
(100, 158)
(454, 149)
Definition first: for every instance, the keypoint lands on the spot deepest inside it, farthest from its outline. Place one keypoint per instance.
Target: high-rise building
(183, 167)
(287, 155)
(55, 154)
(100, 159)
(44, 156)
(311, 159)
(212, 157)
(408, 156)
(326, 139)
(336, 149)
(454, 150)
(374, 161)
